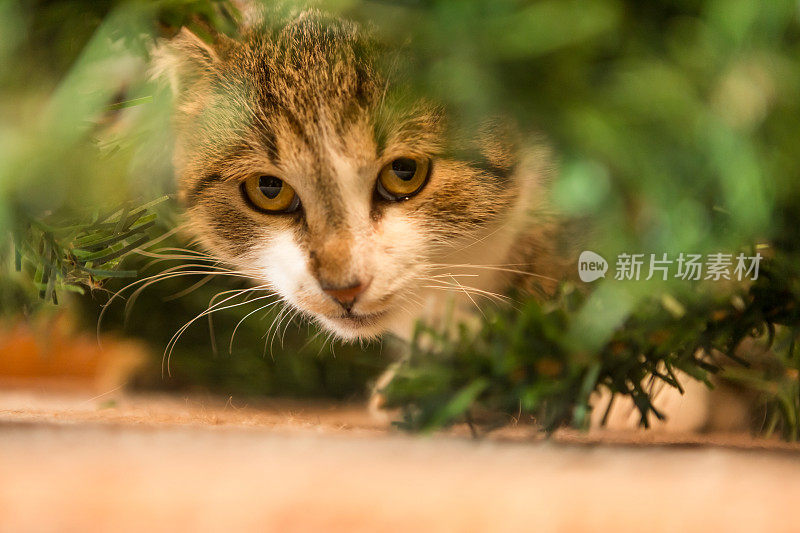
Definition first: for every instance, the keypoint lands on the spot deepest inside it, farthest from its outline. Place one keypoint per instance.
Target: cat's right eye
(270, 194)
(402, 178)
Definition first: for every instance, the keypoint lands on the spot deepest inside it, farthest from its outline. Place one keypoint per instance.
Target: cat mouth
(353, 326)
(358, 319)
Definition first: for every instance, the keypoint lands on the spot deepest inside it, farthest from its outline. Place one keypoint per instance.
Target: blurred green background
(675, 124)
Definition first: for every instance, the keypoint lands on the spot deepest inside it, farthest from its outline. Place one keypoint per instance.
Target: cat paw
(376, 405)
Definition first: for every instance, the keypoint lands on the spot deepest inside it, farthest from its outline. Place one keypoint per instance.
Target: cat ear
(182, 60)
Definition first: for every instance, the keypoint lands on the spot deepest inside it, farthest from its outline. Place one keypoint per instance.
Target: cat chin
(356, 327)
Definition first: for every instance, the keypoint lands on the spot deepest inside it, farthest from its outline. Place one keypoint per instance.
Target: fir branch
(70, 255)
(522, 361)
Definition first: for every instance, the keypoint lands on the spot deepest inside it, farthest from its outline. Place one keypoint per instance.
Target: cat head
(300, 163)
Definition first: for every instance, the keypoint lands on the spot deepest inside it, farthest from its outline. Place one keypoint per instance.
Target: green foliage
(523, 362)
(60, 255)
(73, 168)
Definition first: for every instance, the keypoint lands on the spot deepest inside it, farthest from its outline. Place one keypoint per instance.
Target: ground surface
(76, 463)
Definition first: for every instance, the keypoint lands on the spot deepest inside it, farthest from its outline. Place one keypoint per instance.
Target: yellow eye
(402, 178)
(271, 194)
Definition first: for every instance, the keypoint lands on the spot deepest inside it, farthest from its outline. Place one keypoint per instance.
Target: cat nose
(345, 295)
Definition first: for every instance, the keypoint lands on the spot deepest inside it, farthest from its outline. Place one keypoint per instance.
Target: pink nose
(346, 296)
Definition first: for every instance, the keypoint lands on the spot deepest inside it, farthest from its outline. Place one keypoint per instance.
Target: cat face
(298, 166)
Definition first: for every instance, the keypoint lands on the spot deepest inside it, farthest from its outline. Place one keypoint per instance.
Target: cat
(302, 162)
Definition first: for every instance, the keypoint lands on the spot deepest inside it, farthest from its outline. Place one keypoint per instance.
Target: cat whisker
(235, 329)
(480, 265)
(201, 260)
(172, 274)
(184, 261)
(288, 323)
(176, 253)
(332, 346)
(498, 268)
(312, 338)
(211, 334)
(467, 294)
(268, 334)
(146, 282)
(188, 290)
(174, 249)
(328, 337)
(213, 309)
(461, 286)
(481, 239)
(277, 331)
(162, 237)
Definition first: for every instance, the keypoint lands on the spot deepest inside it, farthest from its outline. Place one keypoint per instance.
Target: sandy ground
(132, 463)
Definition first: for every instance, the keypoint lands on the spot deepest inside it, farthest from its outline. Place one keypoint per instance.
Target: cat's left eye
(270, 194)
(402, 178)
